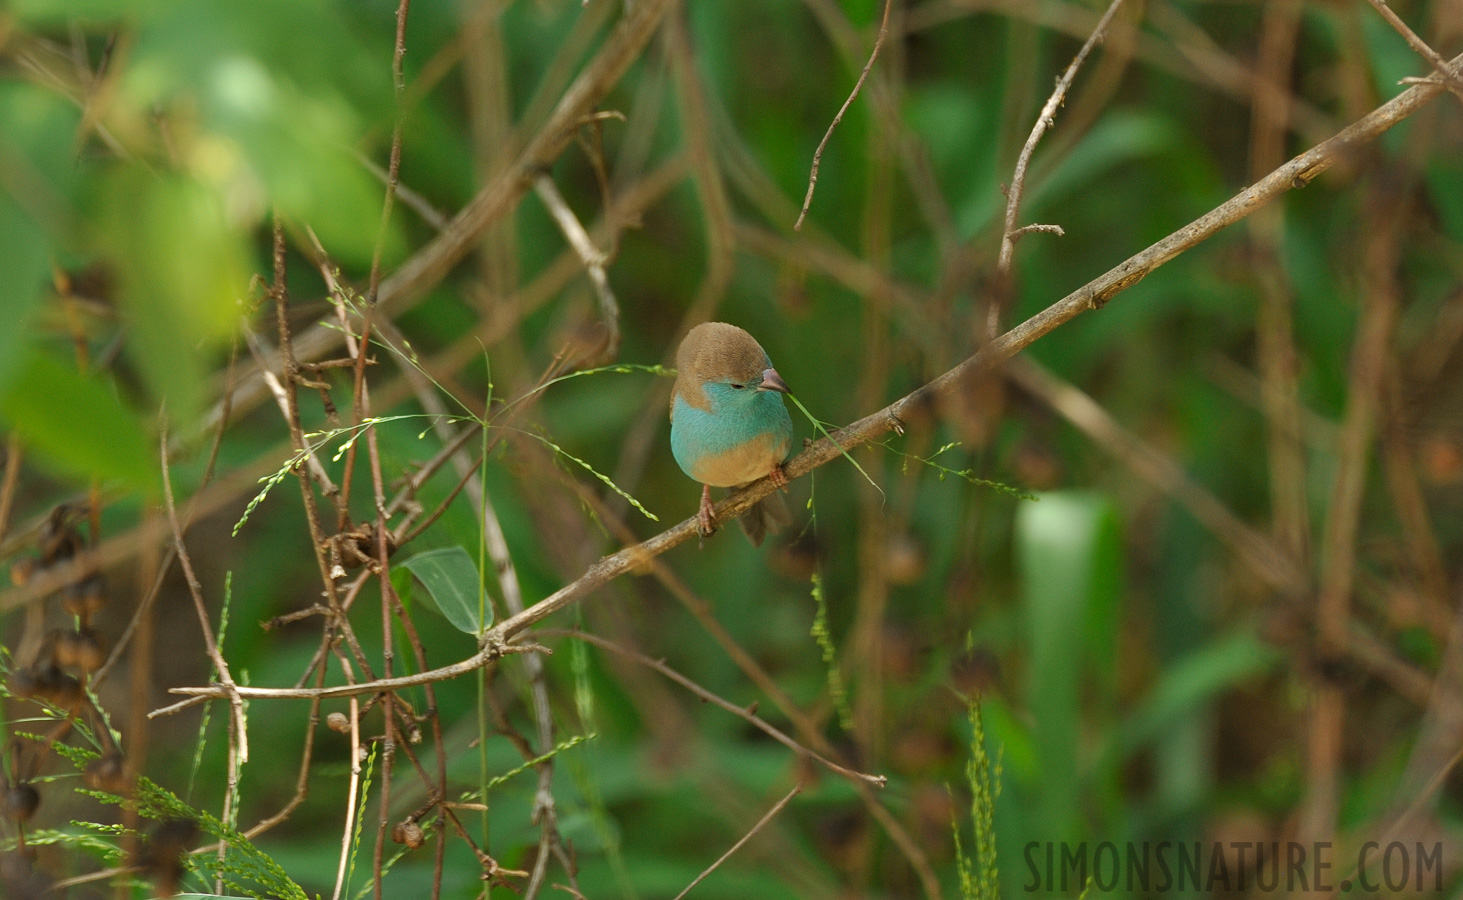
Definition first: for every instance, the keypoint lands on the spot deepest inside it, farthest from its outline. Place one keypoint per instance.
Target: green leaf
(1391, 58)
(36, 135)
(184, 269)
(71, 11)
(279, 109)
(1191, 683)
(23, 255)
(1445, 187)
(76, 423)
(1116, 139)
(451, 578)
(1070, 560)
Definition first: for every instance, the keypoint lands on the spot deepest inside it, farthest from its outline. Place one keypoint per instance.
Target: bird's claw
(705, 516)
(778, 477)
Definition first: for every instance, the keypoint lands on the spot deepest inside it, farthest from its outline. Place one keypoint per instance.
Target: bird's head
(725, 365)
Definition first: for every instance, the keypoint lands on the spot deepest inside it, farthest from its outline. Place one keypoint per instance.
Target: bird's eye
(739, 386)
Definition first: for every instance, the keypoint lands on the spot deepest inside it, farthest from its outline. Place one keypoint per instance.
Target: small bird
(729, 427)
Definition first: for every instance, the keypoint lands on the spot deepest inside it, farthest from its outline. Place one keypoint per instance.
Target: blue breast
(731, 422)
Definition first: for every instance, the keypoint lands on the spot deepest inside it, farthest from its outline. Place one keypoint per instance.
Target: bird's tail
(768, 514)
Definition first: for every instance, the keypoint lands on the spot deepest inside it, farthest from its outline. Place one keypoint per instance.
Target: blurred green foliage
(1137, 682)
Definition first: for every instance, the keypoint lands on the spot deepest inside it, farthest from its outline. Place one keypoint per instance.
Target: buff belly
(748, 462)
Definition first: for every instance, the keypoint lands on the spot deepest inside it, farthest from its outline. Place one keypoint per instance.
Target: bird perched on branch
(729, 427)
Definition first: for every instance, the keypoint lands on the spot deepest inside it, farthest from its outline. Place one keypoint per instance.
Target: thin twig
(13, 455)
(374, 686)
(1043, 122)
(353, 789)
(1451, 80)
(1369, 353)
(747, 715)
(145, 605)
(1276, 354)
(853, 95)
(761, 823)
(594, 262)
(361, 406)
(423, 388)
(507, 572)
(258, 350)
(196, 590)
(1044, 229)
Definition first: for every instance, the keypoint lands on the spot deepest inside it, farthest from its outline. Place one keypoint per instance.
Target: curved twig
(853, 95)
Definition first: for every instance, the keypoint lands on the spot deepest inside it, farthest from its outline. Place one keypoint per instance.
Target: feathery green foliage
(824, 637)
(979, 870)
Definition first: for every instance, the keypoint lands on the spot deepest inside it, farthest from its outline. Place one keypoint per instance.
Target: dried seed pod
(339, 722)
(24, 683)
(87, 596)
(904, 559)
(49, 684)
(108, 773)
(18, 877)
(21, 571)
(161, 858)
(976, 670)
(80, 649)
(19, 801)
(409, 833)
(59, 689)
(59, 540)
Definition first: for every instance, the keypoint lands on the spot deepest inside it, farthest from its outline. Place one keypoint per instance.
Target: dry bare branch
(761, 823)
(853, 95)
(1044, 121)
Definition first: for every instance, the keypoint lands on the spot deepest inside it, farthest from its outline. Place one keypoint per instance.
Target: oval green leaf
(77, 424)
(451, 578)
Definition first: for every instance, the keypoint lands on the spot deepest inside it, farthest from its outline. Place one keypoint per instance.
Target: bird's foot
(778, 477)
(705, 516)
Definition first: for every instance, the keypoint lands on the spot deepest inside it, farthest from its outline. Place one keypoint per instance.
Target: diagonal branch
(1292, 175)
(1089, 417)
(706, 696)
(594, 261)
(196, 590)
(459, 236)
(431, 264)
(761, 823)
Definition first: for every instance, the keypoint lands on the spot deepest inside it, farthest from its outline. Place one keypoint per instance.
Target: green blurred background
(1141, 677)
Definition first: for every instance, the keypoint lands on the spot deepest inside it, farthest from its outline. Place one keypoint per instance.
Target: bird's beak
(771, 381)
